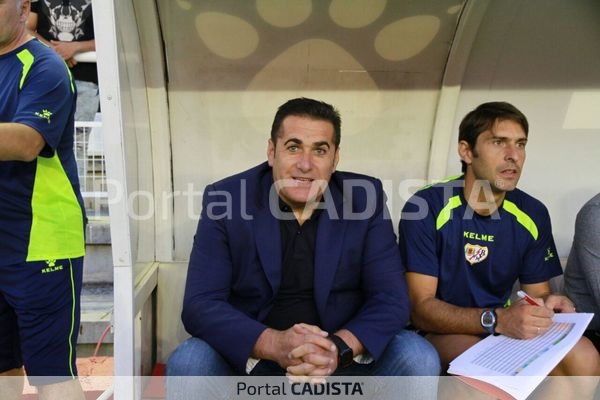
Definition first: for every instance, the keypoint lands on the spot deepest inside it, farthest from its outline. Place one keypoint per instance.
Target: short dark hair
(311, 108)
(484, 117)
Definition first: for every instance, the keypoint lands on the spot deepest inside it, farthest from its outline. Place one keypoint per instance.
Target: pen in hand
(527, 298)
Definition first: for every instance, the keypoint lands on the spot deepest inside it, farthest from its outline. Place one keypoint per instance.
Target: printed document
(518, 366)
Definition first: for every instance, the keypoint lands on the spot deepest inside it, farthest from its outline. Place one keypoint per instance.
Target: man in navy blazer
(295, 268)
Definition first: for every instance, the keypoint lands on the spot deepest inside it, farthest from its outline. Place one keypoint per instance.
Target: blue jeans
(407, 354)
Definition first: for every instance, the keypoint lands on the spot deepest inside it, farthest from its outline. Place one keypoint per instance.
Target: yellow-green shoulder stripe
(26, 59)
(522, 218)
(446, 213)
(451, 178)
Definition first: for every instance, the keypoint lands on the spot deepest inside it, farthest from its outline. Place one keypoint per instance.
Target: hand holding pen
(554, 302)
(540, 324)
(530, 300)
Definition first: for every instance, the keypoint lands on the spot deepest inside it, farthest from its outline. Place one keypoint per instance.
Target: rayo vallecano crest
(475, 253)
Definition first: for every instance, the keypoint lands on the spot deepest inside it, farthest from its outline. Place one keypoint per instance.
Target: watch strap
(345, 354)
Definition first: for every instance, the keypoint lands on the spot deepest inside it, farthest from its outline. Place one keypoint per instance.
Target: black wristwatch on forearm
(489, 321)
(345, 354)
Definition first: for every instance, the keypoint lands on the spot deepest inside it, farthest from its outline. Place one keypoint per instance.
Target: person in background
(68, 27)
(42, 219)
(582, 273)
(295, 270)
(467, 240)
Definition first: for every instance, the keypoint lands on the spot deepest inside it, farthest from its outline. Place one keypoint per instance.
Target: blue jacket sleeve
(207, 314)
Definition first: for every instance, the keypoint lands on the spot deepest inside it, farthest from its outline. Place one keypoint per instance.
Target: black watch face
(345, 357)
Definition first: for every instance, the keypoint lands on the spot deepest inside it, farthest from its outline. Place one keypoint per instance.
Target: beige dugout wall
(402, 74)
(231, 63)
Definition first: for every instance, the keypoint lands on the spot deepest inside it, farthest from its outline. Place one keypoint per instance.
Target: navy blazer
(235, 265)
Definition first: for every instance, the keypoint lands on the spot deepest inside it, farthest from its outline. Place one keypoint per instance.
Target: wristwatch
(345, 354)
(489, 321)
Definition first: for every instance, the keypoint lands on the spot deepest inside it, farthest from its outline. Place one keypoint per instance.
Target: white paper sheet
(518, 366)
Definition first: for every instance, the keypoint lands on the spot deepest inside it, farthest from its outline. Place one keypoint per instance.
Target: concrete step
(96, 316)
(98, 264)
(97, 291)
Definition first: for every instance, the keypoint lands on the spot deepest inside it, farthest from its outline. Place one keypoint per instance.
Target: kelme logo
(549, 254)
(46, 114)
(51, 267)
